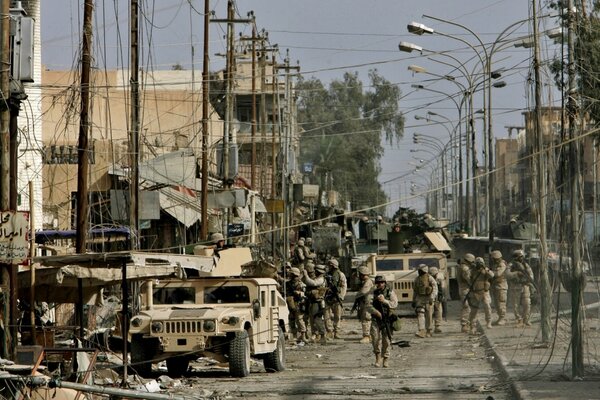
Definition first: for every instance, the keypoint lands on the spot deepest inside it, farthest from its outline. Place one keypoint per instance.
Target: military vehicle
(219, 314)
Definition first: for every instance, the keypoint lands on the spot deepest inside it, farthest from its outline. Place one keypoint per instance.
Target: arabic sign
(14, 237)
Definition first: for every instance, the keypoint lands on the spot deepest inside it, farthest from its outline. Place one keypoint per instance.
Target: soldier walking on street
(479, 293)
(382, 301)
(360, 303)
(315, 290)
(336, 291)
(295, 298)
(464, 277)
(425, 291)
(499, 286)
(438, 303)
(520, 277)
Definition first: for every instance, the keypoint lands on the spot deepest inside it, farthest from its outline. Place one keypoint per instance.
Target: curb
(499, 362)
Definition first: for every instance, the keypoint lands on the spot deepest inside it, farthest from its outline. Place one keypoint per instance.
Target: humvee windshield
(181, 295)
(226, 294)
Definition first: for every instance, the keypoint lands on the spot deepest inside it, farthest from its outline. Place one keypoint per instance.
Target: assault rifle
(357, 303)
(332, 291)
(383, 323)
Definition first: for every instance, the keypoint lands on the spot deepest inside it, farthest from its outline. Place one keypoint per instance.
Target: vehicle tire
(143, 350)
(275, 361)
(239, 355)
(177, 366)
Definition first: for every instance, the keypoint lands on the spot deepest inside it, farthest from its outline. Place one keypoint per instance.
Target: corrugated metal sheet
(438, 241)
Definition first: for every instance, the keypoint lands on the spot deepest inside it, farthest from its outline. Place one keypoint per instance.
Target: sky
(329, 38)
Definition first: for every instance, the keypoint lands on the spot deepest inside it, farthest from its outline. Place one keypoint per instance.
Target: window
(165, 295)
(390, 265)
(226, 294)
(430, 262)
(272, 298)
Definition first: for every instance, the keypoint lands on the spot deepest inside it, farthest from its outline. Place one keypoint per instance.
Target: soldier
(438, 304)
(300, 254)
(218, 241)
(336, 291)
(309, 245)
(296, 304)
(499, 286)
(382, 301)
(520, 277)
(425, 291)
(479, 293)
(464, 276)
(315, 291)
(360, 303)
(310, 269)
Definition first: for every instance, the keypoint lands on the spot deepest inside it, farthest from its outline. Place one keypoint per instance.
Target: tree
(343, 126)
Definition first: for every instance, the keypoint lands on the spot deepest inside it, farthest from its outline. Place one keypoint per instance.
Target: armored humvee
(217, 314)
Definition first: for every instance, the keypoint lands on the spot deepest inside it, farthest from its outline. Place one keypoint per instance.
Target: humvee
(218, 314)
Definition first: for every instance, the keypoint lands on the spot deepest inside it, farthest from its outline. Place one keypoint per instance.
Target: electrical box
(21, 45)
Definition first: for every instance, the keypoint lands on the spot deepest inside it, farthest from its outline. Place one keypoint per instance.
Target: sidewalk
(536, 371)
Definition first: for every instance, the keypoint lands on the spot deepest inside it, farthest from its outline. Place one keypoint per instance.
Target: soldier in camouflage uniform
(520, 277)
(315, 292)
(296, 300)
(336, 291)
(361, 301)
(479, 293)
(438, 303)
(425, 292)
(499, 286)
(300, 254)
(464, 277)
(382, 301)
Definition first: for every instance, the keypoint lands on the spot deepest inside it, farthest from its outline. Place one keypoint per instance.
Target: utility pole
(83, 148)
(228, 134)
(575, 179)
(134, 133)
(540, 169)
(289, 121)
(8, 273)
(253, 161)
(205, 116)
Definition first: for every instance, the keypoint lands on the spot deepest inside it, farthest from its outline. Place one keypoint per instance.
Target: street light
(418, 29)
(409, 47)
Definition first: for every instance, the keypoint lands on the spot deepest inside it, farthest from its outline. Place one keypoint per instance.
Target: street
(450, 365)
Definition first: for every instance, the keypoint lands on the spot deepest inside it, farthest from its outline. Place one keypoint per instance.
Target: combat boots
(421, 333)
(437, 330)
(489, 325)
(428, 333)
(336, 335)
(365, 339)
(465, 329)
(323, 340)
(501, 322)
(526, 323)
(385, 362)
(377, 360)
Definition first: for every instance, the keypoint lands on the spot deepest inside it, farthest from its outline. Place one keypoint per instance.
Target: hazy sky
(328, 37)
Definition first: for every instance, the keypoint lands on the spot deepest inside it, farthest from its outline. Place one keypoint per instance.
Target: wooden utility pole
(83, 148)
(205, 116)
(575, 179)
(84, 126)
(134, 130)
(8, 275)
(540, 184)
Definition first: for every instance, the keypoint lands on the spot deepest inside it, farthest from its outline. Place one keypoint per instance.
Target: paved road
(448, 366)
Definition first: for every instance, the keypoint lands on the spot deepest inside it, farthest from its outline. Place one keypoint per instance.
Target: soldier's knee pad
(420, 310)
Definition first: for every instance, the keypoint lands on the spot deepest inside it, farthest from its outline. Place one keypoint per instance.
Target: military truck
(400, 270)
(219, 314)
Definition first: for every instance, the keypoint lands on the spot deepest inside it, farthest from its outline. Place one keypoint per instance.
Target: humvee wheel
(275, 361)
(239, 355)
(177, 366)
(142, 350)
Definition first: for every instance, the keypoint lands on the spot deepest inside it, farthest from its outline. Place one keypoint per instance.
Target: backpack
(423, 286)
